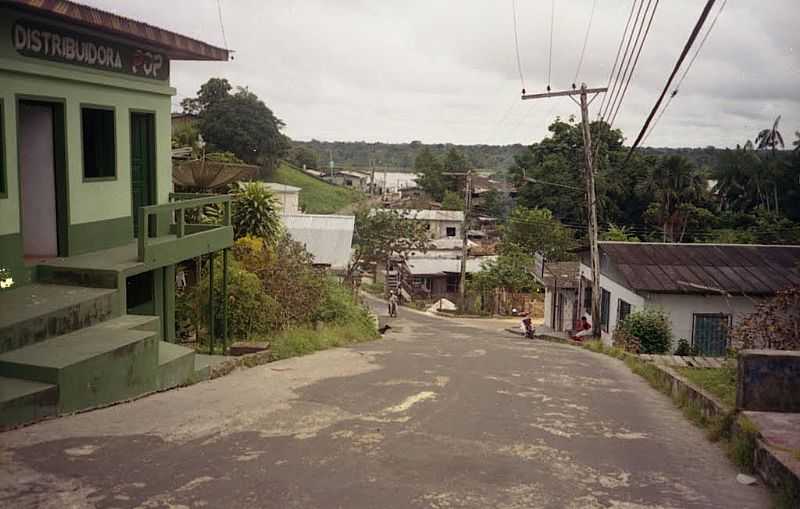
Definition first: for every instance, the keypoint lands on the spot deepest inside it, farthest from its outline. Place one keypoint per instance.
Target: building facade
(86, 210)
(704, 289)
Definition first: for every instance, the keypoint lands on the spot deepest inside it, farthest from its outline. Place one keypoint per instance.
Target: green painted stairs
(91, 360)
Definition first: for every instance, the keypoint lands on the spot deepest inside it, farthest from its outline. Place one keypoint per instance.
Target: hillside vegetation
(316, 196)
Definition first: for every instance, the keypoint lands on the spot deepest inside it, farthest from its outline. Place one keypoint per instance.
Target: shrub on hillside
(649, 327)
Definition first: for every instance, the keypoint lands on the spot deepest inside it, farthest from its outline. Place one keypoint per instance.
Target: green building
(90, 232)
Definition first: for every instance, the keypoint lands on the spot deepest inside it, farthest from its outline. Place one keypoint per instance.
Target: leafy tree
(510, 270)
(255, 212)
(211, 92)
(619, 234)
(301, 156)
(452, 201)
(679, 190)
(241, 123)
(495, 204)
(537, 231)
(773, 324)
(429, 174)
(381, 233)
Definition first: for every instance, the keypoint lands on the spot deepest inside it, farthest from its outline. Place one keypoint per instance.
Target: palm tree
(677, 186)
(796, 142)
(770, 138)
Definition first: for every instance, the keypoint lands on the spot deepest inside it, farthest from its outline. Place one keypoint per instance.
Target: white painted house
(703, 288)
(441, 223)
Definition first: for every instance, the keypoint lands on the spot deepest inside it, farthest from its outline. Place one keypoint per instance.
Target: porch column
(224, 299)
(211, 303)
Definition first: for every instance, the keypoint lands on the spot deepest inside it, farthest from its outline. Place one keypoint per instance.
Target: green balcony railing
(179, 229)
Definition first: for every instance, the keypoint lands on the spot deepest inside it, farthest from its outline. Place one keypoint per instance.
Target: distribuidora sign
(50, 43)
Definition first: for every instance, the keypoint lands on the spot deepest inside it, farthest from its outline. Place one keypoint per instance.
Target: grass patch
(316, 197)
(721, 382)
(742, 445)
(298, 341)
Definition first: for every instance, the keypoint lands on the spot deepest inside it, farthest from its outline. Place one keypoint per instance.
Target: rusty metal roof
(704, 268)
(564, 274)
(176, 46)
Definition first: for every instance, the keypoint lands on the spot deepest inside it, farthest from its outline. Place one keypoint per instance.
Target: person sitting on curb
(584, 329)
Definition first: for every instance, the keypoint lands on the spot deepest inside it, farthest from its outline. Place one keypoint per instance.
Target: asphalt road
(438, 414)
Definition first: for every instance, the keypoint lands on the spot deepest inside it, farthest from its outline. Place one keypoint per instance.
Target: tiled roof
(705, 268)
(176, 46)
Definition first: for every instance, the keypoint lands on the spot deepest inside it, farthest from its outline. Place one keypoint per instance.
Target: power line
(221, 24)
(516, 44)
(550, 51)
(685, 72)
(686, 48)
(635, 60)
(585, 41)
(616, 59)
(615, 86)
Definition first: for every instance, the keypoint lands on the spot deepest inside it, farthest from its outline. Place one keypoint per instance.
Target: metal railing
(179, 203)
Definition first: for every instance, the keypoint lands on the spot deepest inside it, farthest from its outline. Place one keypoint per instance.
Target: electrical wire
(615, 87)
(550, 51)
(616, 59)
(221, 24)
(684, 52)
(585, 42)
(516, 44)
(635, 61)
(685, 72)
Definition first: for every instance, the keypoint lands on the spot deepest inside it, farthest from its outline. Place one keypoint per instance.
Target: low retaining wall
(681, 389)
(769, 381)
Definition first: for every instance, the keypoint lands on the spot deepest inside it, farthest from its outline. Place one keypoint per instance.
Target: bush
(255, 211)
(685, 349)
(250, 310)
(650, 327)
(338, 307)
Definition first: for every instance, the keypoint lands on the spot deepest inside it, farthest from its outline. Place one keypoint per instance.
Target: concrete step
(108, 362)
(23, 401)
(175, 365)
(36, 312)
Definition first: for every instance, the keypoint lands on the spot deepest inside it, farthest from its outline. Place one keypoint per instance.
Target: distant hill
(400, 156)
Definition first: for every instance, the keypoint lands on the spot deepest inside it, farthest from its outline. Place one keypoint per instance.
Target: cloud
(445, 71)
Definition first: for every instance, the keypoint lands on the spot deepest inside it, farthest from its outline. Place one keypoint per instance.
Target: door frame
(153, 179)
(58, 105)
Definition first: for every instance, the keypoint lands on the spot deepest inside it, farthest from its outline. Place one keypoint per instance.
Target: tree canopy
(381, 233)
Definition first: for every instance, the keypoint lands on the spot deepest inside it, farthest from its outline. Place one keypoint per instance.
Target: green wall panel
(97, 235)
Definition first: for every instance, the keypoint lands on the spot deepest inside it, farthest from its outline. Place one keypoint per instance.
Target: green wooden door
(142, 164)
(710, 334)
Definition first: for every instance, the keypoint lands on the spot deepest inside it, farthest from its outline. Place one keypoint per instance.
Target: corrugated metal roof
(176, 46)
(329, 238)
(565, 273)
(440, 266)
(704, 268)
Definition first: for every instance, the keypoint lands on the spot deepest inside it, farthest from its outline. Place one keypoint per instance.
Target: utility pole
(591, 198)
(462, 281)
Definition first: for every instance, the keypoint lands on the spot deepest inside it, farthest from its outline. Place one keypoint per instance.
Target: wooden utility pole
(591, 196)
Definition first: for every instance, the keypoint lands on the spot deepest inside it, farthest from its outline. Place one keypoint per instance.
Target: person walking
(393, 303)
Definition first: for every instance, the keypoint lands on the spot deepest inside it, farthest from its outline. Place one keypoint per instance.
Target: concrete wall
(289, 202)
(569, 301)
(681, 308)
(768, 381)
(102, 208)
(617, 292)
(439, 228)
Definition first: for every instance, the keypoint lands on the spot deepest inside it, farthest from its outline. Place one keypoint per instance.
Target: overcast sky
(445, 71)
